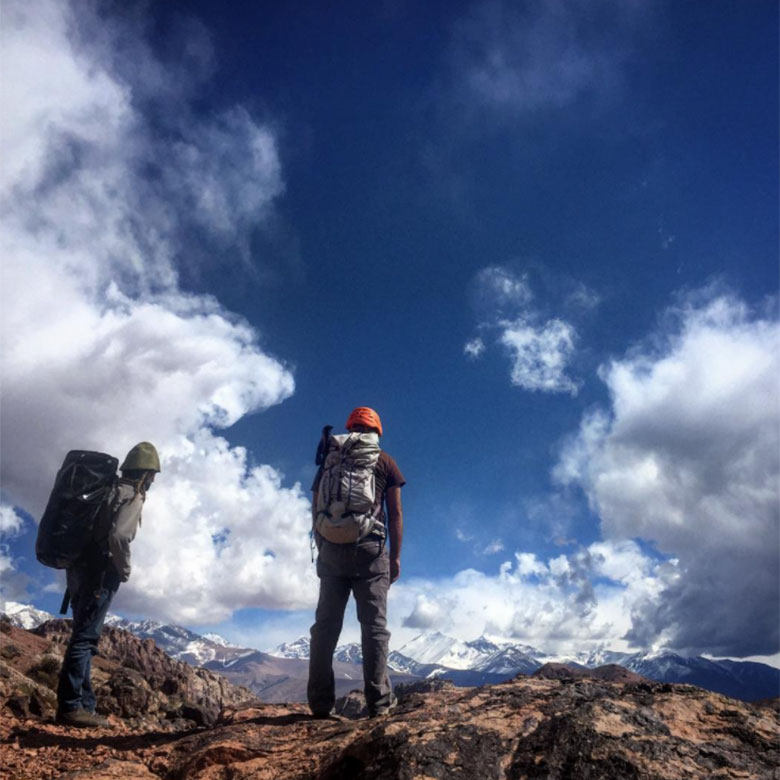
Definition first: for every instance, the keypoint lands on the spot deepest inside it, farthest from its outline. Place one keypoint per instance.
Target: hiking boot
(385, 709)
(379, 712)
(322, 715)
(83, 720)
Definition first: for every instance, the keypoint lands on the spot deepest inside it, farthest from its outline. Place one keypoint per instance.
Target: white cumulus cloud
(540, 346)
(102, 208)
(687, 458)
(11, 581)
(565, 604)
(10, 521)
(474, 347)
(429, 612)
(496, 546)
(540, 355)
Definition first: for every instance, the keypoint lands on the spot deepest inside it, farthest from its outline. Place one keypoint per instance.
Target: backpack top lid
(360, 449)
(82, 472)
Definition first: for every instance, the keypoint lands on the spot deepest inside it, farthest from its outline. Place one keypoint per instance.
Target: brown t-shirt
(386, 475)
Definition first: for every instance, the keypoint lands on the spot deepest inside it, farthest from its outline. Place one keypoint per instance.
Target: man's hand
(396, 529)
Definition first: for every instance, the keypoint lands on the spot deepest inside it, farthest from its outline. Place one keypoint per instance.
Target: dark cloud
(688, 459)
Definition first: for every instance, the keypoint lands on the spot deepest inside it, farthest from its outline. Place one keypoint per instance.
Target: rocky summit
(559, 724)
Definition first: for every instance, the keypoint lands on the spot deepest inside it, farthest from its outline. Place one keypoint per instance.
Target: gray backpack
(347, 490)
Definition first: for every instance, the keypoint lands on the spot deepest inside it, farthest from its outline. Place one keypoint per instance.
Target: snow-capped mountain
(301, 648)
(402, 663)
(437, 648)
(601, 657)
(426, 652)
(297, 649)
(349, 654)
(662, 665)
(217, 640)
(739, 679)
(485, 660)
(181, 643)
(482, 654)
(510, 660)
(25, 616)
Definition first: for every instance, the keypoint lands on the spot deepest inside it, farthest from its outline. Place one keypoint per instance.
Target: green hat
(143, 457)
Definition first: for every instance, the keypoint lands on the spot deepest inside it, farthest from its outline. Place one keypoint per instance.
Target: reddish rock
(555, 671)
(529, 728)
(113, 770)
(611, 672)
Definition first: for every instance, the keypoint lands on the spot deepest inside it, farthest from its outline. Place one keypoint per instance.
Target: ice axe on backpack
(322, 447)
(319, 459)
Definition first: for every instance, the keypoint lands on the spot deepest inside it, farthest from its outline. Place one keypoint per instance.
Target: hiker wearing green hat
(95, 576)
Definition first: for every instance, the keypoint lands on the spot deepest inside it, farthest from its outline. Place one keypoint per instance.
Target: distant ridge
(609, 672)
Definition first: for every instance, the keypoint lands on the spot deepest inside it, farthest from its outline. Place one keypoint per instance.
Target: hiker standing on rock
(94, 580)
(351, 530)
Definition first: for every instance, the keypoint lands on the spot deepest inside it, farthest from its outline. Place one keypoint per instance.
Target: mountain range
(280, 673)
(484, 661)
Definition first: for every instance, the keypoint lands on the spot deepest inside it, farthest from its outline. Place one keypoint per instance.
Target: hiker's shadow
(35, 738)
(276, 720)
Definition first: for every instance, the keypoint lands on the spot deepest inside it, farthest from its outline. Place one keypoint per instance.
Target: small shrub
(46, 671)
(10, 652)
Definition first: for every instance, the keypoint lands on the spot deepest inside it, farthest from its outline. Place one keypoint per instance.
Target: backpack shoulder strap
(105, 517)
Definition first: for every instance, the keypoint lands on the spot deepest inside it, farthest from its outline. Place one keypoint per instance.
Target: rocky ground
(565, 729)
(557, 725)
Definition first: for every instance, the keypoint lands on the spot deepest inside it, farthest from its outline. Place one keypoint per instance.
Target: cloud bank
(688, 458)
(571, 602)
(114, 183)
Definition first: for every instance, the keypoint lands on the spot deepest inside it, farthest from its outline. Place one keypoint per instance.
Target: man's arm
(395, 517)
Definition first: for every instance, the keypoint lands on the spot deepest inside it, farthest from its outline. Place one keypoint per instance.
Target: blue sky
(539, 238)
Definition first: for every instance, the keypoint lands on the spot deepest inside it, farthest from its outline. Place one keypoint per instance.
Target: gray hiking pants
(362, 569)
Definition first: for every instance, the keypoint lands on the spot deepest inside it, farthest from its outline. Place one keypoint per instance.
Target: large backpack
(78, 499)
(347, 488)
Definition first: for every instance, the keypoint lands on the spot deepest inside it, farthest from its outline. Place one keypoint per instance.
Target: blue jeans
(91, 593)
